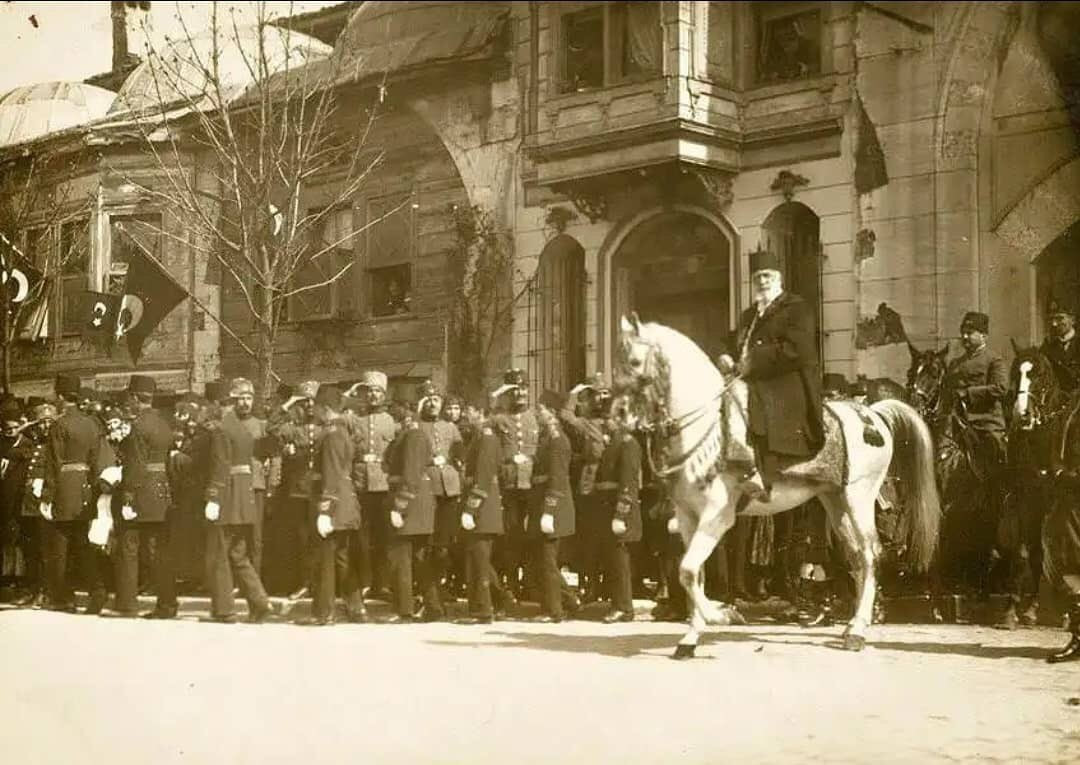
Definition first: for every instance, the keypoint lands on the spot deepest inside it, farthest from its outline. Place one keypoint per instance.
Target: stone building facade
(910, 162)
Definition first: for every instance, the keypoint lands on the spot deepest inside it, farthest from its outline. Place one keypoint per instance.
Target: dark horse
(1038, 405)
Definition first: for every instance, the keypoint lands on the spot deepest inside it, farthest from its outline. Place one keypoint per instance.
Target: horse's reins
(670, 427)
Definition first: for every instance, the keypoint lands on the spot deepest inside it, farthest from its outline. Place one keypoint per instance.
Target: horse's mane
(673, 342)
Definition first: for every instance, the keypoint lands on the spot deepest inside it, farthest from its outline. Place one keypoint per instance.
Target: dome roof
(181, 68)
(31, 111)
(392, 36)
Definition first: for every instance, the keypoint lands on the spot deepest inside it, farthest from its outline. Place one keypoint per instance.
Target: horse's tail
(913, 461)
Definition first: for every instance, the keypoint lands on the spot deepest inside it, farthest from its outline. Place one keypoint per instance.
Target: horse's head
(1036, 396)
(641, 374)
(926, 376)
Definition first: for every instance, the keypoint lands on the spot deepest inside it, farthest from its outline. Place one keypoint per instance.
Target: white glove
(547, 523)
(112, 475)
(127, 512)
(104, 506)
(578, 388)
(673, 525)
(37, 486)
(467, 521)
(213, 511)
(396, 520)
(324, 525)
(618, 526)
(45, 508)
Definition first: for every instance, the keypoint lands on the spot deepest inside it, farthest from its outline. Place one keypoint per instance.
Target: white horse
(700, 418)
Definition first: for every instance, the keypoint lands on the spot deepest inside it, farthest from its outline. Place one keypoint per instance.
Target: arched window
(556, 309)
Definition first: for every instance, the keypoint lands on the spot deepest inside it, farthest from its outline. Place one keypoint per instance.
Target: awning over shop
(394, 37)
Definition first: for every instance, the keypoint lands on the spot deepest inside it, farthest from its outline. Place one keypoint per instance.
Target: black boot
(1071, 652)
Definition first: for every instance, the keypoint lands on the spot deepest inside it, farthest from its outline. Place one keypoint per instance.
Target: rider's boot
(753, 486)
(1071, 651)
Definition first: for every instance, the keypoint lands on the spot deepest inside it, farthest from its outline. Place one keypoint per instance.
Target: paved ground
(87, 689)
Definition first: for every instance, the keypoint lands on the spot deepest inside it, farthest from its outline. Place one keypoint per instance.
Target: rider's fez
(445, 440)
(619, 482)
(519, 434)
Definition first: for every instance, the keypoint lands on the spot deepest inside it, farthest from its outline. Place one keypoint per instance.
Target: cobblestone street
(133, 691)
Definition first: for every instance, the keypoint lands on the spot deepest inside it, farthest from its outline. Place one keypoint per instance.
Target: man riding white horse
(778, 360)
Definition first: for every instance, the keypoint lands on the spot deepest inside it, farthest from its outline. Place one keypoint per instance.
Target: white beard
(762, 298)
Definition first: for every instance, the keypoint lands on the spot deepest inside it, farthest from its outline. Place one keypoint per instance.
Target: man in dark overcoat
(778, 359)
(482, 522)
(1062, 348)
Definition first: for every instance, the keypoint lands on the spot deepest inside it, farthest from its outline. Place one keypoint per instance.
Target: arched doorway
(1057, 272)
(792, 231)
(556, 310)
(675, 268)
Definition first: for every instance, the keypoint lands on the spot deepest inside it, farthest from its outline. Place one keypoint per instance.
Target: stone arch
(1045, 212)
(614, 243)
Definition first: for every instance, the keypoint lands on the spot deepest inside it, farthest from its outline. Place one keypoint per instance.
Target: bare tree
(34, 200)
(487, 288)
(243, 125)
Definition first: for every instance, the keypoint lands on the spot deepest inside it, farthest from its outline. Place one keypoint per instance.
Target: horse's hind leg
(852, 514)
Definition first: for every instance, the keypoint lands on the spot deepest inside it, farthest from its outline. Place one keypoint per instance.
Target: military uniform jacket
(232, 451)
(300, 445)
(483, 498)
(781, 372)
(551, 487)
(372, 435)
(335, 494)
(412, 497)
(1065, 361)
(145, 456)
(986, 379)
(261, 451)
(587, 438)
(75, 441)
(445, 440)
(23, 461)
(519, 435)
(619, 483)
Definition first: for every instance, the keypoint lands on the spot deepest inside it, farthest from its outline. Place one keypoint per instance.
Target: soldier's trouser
(483, 580)
(30, 544)
(63, 541)
(372, 565)
(156, 539)
(510, 548)
(303, 552)
(547, 569)
(227, 558)
(618, 571)
(256, 551)
(401, 551)
(589, 538)
(331, 556)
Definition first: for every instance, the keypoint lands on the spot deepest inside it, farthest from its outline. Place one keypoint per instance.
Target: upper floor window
(789, 45)
(130, 236)
(605, 45)
(74, 273)
(390, 252)
(330, 250)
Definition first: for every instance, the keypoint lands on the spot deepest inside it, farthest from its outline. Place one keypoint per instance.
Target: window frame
(373, 262)
(62, 278)
(761, 14)
(106, 267)
(339, 256)
(613, 75)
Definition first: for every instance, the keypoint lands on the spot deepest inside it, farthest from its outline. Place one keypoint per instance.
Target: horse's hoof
(854, 642)
(683, 652)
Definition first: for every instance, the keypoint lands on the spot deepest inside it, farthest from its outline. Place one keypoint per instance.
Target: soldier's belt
(155, 467)
(74, 467)
(240, 470)
(606, 485)
(370, 457)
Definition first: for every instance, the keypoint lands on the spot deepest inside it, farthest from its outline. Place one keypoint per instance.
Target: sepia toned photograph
(472, 383)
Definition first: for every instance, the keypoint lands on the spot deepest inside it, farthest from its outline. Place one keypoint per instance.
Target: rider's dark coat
(984, 378)
(781, 370)
(1064, 358)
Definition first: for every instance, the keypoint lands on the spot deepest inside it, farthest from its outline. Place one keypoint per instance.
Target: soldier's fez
(215, 391)
(835, 382)
(67, 385)
(515, 377)
(1060, 306)
(142, 384)
(979, 322)
(427, 389)
(763, 260)
(329, 396)
(241, 386)
(308, 389)
(43, 411)
(373, 379)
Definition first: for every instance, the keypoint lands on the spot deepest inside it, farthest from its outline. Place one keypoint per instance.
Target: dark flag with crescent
(149, 294)
(100, 312)
(20, 282)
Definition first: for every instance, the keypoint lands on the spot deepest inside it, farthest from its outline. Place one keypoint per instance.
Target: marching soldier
(519, 434)
(619, 488)
(145, 502)
(445, 441)
(551, 509)
(453, 411)
(588, 435)
(373, 431)
(230, 509)
(74, 443)
(482, 521)
(337, 516)
(411, 519)
(23, 464)
(243, 409)
(298, 432)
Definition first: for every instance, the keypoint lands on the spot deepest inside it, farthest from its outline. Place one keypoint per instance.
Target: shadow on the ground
(661, 644)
